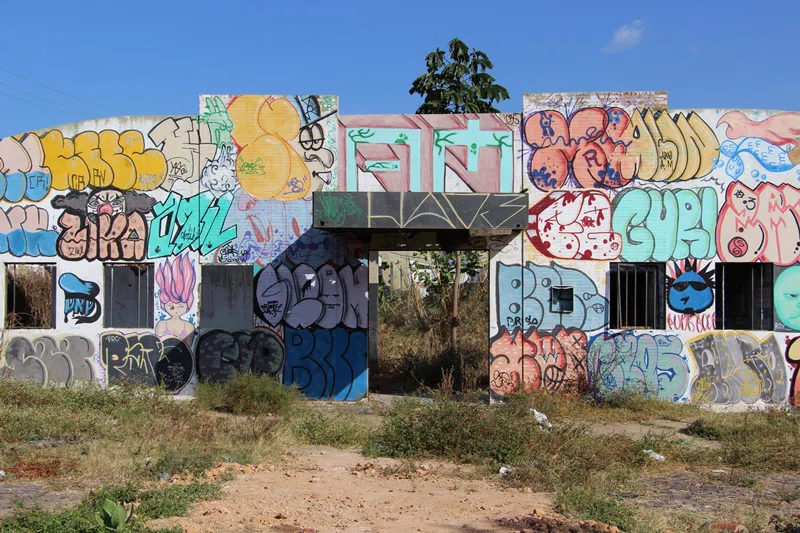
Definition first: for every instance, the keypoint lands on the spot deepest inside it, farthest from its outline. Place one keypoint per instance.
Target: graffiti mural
(689, 290)
(426, 153)
(80, 299)
(303, 297)
(660, 225)
(176, 282)
(761, 224)
(786, 299)
(537, 360)
(607, 147)
(146, 359)
(104, 159)
(574, 225)
(102, 224)
(736, 367)
(388, 210)
(642, 362)
(196, 223)
(265, 229)
(793, 358)
(327, 363)
(523, 298)
(22, 174)
(773, 143)
(25, 231)
(186, 145)
(221, 354)
(268, 131)
(49, 360)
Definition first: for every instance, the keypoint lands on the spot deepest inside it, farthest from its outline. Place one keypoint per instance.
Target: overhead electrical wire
(36, 103)
(61, 92)
(46, 99)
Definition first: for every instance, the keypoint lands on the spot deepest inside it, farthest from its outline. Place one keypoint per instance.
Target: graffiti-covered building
(631, 246)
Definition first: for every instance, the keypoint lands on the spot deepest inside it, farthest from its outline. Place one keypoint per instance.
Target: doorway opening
(418, 347)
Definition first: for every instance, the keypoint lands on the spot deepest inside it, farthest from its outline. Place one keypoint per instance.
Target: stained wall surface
(216, 210)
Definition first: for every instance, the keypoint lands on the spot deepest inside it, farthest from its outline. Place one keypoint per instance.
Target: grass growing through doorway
(414, 346)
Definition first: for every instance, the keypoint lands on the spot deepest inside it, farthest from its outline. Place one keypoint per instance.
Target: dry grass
(29, 296)
(127, 436)
(414, 347)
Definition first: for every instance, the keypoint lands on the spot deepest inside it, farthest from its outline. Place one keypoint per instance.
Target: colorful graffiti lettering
(80, 299)
(221, 354)
(194, 223)
(643, 362)
(551, 361)
(606, 147)
(574, 225)
(736, 367)
(761, 224)
(695, 323)
(267, 165)
(22, 174)
(327, 363)
(219, 123)
(146, 359)
(105, 159)
(25, 231)
(187, 147)
(689, 290)
(101, 225)
(325, 296)
(419, 153)
(659, 225)
(523, 298)
(61, 360)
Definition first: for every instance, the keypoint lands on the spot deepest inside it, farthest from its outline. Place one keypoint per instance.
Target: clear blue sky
(148, 58)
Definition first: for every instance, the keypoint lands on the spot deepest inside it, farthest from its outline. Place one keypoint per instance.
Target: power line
(46, 99)
(60, 91)
(36, 103)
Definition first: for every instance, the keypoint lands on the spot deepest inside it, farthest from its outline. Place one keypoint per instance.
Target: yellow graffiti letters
(102, 159)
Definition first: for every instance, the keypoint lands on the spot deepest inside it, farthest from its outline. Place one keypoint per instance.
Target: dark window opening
(128, 295)
(561, 299)
(744, 296)
(29, 296)
(637, 295)
(226, 296)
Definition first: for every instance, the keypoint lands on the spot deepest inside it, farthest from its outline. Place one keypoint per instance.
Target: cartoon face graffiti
(786, 295)
(690, 291)
(109, 202)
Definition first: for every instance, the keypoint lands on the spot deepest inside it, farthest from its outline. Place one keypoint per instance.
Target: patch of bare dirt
(323, 489)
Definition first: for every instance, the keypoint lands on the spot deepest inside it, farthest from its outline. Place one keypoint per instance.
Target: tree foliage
(459, 83)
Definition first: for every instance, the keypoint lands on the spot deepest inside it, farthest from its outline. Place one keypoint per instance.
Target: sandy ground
(325, 489)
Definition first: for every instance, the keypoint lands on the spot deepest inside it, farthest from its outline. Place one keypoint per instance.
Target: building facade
(657, 251)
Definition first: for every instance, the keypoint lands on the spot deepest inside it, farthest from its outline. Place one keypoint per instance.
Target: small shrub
(340, 430)
(247, 394)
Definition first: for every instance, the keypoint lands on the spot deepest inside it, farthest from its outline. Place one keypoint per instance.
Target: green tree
(459, 83)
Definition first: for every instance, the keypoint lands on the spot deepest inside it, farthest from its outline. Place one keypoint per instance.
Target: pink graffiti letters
(761, 224)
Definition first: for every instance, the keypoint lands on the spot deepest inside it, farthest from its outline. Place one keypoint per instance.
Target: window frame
(723, 321)
(108, 295)
(659, 310)
(53, 268)
(554, 301)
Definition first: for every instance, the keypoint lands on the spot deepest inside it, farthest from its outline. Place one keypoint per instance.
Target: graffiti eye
(680, 286)
(598, 308)
(791, 296)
